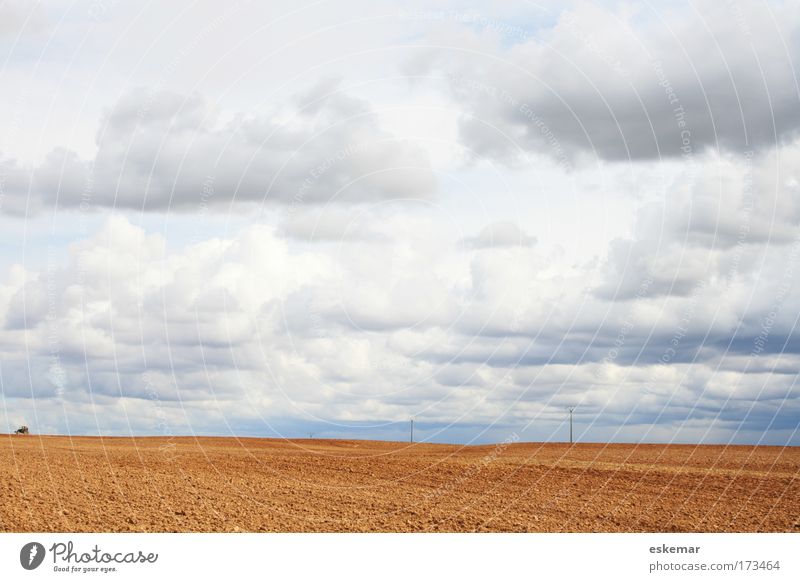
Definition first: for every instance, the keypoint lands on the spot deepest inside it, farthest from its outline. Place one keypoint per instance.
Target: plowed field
(226, 484)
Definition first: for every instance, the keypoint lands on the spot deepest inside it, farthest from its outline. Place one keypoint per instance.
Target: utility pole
(570, 423)
(412, 430)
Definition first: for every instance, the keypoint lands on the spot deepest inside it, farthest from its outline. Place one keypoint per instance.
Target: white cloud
(716, 222)
(169, 152)
(252, 327)
(497, 235)
(622, 84)
(331, 224)
(327, 289)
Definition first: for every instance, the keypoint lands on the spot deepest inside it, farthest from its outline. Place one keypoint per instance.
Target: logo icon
(31, 555)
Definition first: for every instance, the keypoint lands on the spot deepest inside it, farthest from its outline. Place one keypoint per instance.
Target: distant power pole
(570, 423)
(412, 431)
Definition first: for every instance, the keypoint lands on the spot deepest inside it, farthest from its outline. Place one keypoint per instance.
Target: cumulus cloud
(265, 332)
(159, 151)
(717, 221)
(331, 224)
(344, 308)
(621, 84)
(497, 235)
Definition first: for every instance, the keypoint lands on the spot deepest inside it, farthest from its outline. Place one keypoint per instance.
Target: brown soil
(225, 484)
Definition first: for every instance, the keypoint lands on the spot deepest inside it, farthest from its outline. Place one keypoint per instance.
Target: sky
(322, 218)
